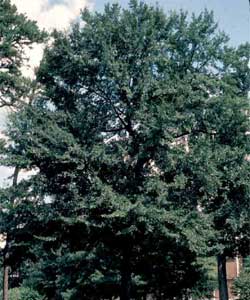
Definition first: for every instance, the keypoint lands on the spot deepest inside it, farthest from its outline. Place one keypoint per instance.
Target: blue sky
(233, 16)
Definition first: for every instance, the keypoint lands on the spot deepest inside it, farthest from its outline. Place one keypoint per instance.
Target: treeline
(135, 132)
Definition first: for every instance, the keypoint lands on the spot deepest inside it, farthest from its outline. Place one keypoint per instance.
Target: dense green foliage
(23, 293)
(17, 33)
(139, 142)
(242, 283)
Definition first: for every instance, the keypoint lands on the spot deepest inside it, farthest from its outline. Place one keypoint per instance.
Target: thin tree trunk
(5, 281)
(125, 277)
(6, 267)
(15, 176)
(222, 277)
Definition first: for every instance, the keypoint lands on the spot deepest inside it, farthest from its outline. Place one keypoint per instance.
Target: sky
(233, 17)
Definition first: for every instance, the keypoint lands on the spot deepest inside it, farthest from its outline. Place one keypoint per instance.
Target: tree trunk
(15, 176)
(125, 277)
(222, 277)
(5, 258)
(5, 280)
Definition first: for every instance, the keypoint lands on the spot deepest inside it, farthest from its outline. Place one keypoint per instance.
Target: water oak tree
(139, 116)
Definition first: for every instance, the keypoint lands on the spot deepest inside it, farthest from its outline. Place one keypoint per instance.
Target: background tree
(229, 206)
(241, 285)
(17, 33)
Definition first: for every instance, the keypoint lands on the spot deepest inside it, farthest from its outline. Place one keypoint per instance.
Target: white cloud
(5, 174)
(3, 118)
(49, 16)
(35, 55)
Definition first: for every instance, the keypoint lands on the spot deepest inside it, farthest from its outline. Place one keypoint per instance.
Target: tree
(17, 33)
(241, 285)
(139, 114)
(222, 172)
(229, 204)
